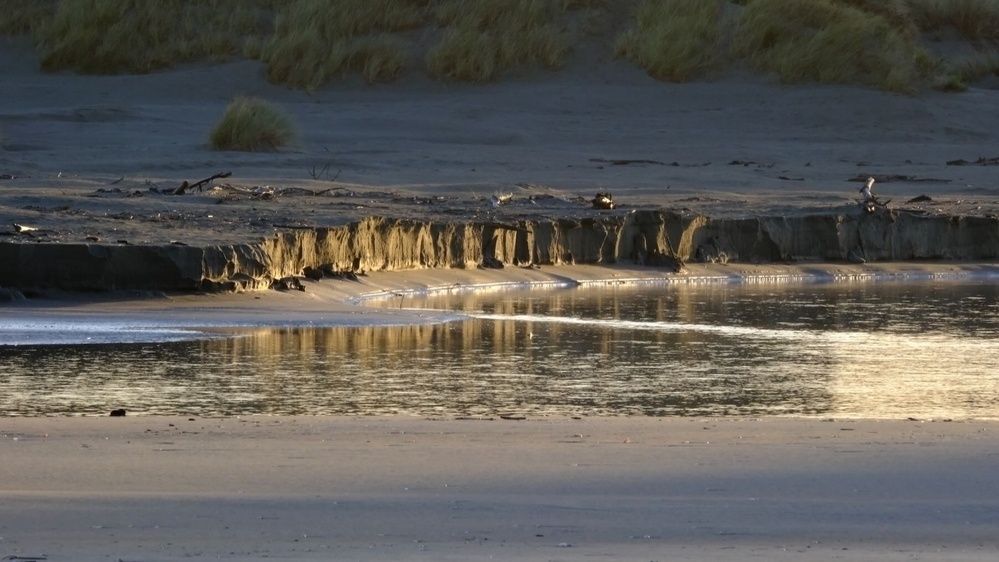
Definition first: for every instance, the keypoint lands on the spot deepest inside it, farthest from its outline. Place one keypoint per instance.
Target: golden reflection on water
(880, 351)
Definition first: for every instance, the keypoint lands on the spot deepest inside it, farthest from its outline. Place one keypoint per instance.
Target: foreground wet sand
(336, 488)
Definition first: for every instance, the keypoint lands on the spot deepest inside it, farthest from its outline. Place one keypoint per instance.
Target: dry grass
(20, 17)
(137, 36)
(306, 43)
(895, 12)
(830, 42)
(484, 38)
(253, 125)
(316, 40)
(675, 40)
(974, 20)
(963, 72)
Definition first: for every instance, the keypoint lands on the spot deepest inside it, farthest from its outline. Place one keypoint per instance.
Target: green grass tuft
(674, 40)
(896, 12)
(974, 20)
(253, 125)
(484, 38)
(316, 40)
(830, 42)
(20, 17)
(306, 43)
(959, 74)
(138, 36)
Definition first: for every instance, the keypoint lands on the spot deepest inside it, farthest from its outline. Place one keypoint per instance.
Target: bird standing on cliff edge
(867, 192)
(870, 200)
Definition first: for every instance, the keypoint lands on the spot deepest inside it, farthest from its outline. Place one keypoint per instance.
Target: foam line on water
(784, 334)
(702, 279)
(744, 331)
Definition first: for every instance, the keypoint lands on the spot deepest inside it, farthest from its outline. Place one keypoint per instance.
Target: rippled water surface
(915, 349)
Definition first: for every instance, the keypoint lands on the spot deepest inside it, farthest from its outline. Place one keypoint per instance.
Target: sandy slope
(738, 146)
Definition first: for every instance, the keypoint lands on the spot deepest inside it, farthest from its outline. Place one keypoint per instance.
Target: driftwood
(501, 198)
(603, 201)
(325, 171)
(290, 283)
(327, 271)
(267, 192)
(627, 162)
(184, 186)
(887, 178)
(982, 161)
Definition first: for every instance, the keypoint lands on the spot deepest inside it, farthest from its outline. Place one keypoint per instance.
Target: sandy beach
(301, 488)
(83, 158)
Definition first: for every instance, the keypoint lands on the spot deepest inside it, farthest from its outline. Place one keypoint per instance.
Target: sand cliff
(660, 238)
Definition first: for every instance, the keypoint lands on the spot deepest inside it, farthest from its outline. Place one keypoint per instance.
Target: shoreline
(337, 303)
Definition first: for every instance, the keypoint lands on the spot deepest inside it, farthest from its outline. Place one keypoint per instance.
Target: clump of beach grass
(674, 40)
(21, 17)
(316, 40)
(976, 21)
(895, 12)
(959, 74)
(253, 125)
(828, 41)
(483, 38)
(138, 36)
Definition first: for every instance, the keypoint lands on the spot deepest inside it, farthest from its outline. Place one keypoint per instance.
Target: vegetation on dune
(963, 72)
(675, 40)
(896, 12)
(973, 20)
(316, 40)
(138, 36)
(253, 125)
(306, 43)
(483, 38)
(18, 17)
(830, 42)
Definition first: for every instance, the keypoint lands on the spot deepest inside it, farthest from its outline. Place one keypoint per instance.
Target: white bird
(866, 191)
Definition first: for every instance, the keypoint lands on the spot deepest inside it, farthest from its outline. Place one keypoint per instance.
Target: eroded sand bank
(662, 239)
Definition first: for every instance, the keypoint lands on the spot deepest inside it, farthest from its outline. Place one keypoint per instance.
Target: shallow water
(880, 350)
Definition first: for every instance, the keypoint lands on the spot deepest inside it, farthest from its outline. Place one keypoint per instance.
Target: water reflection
(871, 350)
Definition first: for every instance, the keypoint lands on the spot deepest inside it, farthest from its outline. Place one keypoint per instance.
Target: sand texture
(736, 169)
(560, 489)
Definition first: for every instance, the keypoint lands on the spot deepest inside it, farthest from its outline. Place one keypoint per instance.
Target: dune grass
(959, 74)
(21, 17)
(896, 12)
(315, 40)
(674, 40)
(138, 36)
(829, 41)
(306, 43)
(483, 38)
(974, 20)
(253, 125)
